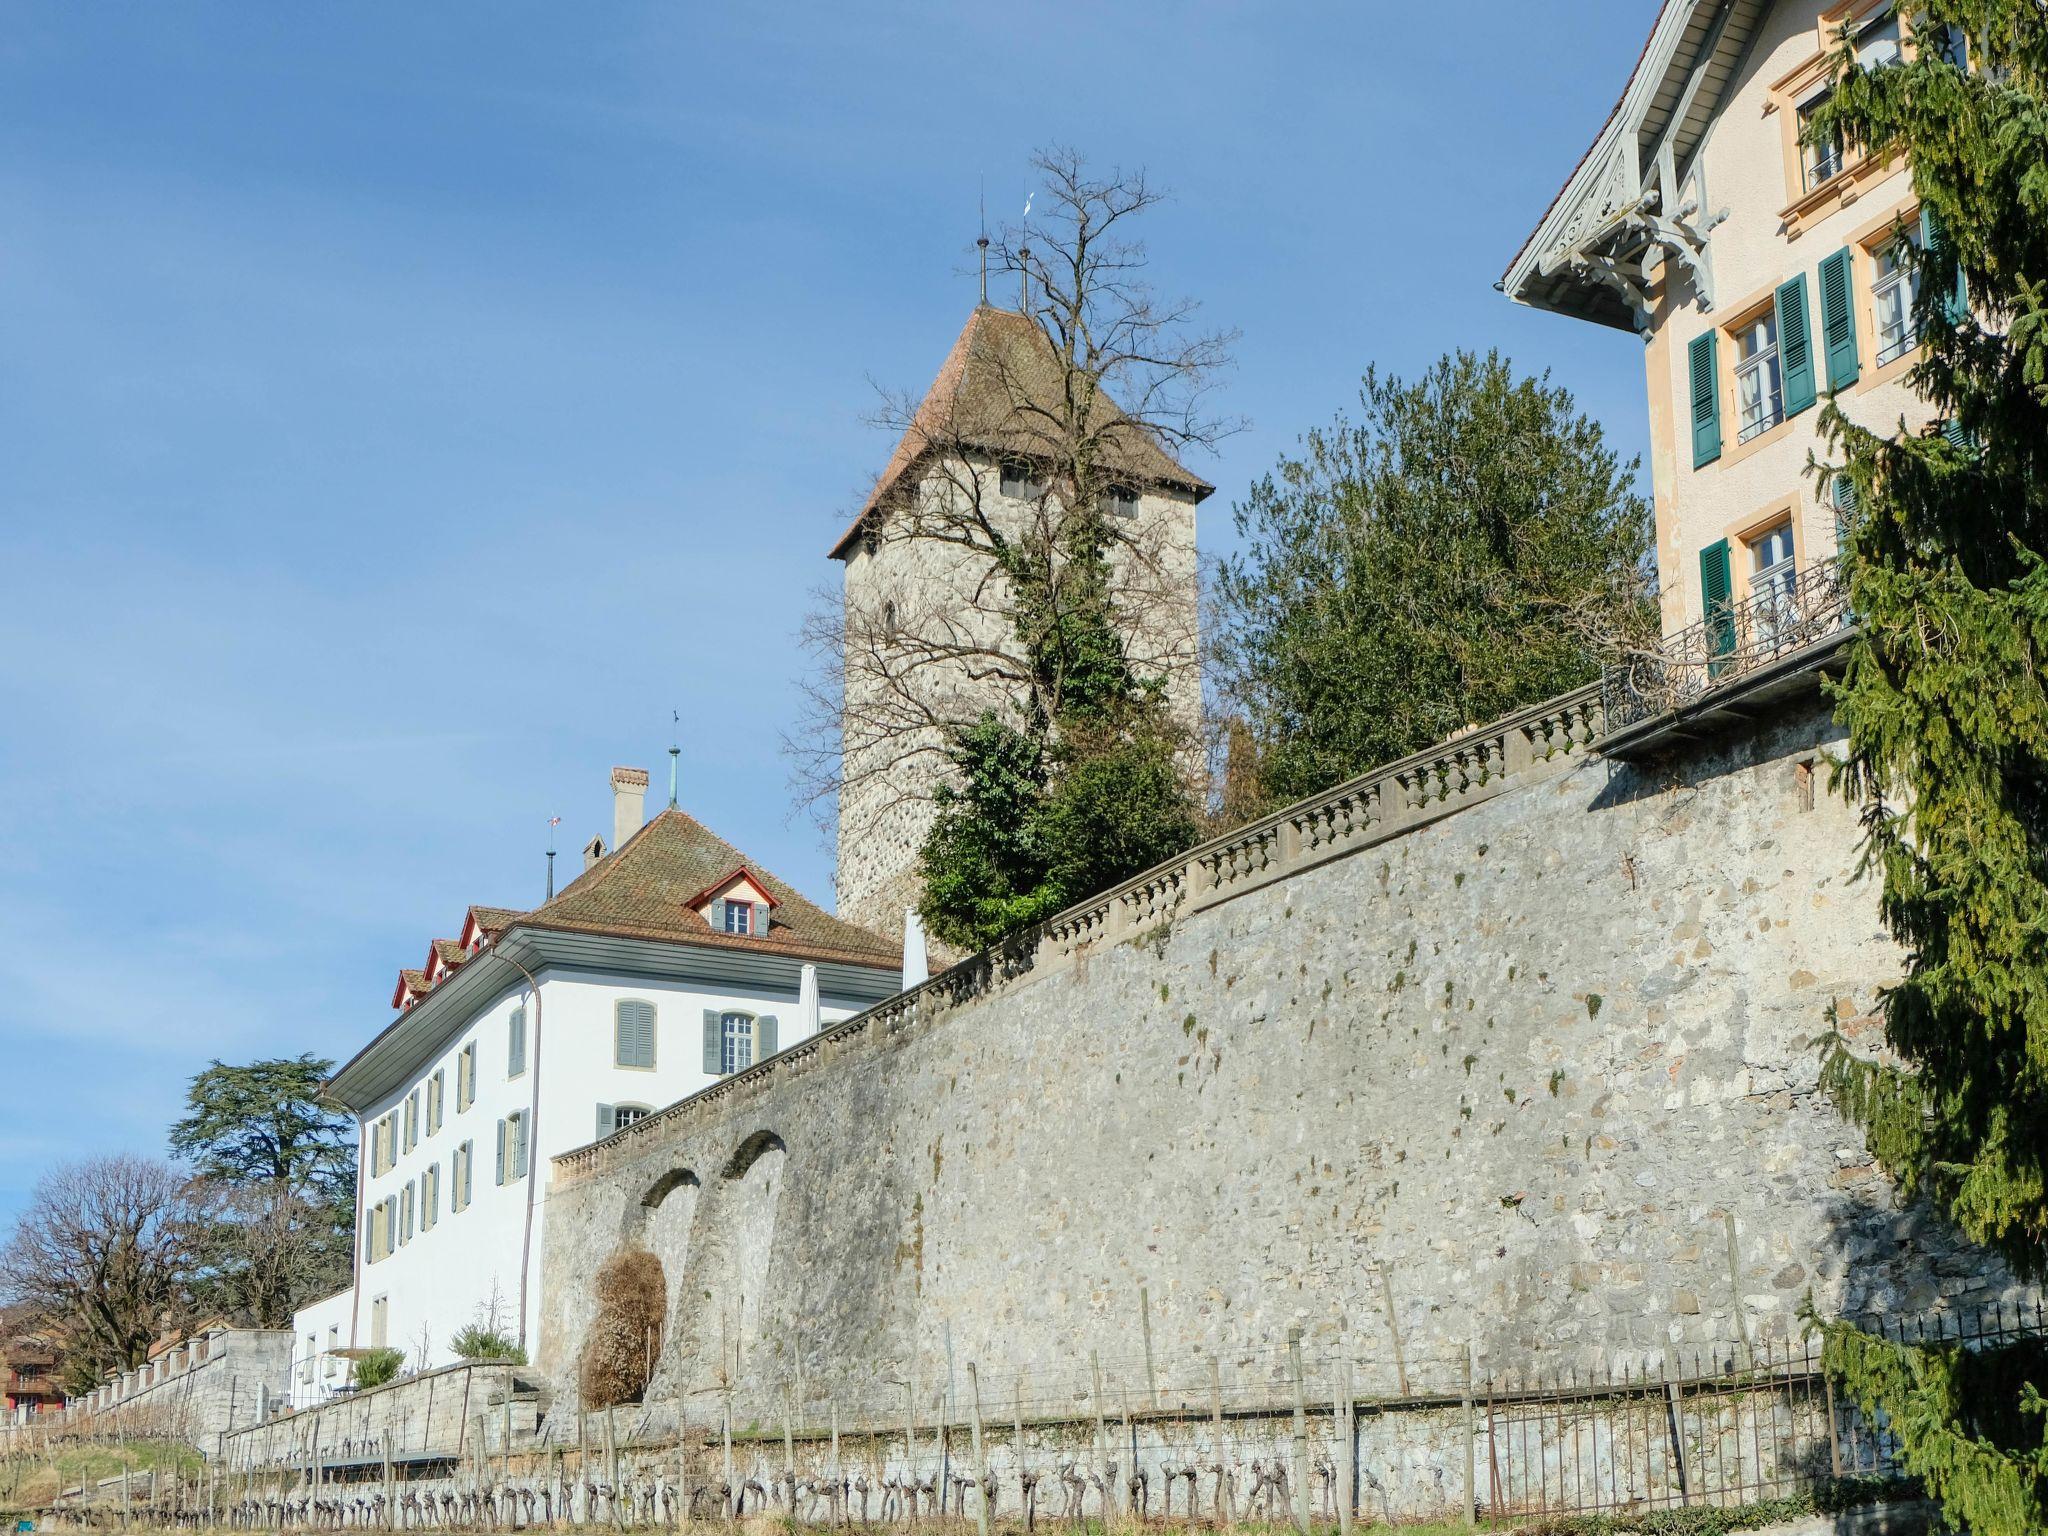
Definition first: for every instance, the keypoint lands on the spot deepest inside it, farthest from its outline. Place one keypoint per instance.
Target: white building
(669, 963)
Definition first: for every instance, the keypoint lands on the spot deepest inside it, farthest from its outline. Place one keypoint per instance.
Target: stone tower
(926, 639)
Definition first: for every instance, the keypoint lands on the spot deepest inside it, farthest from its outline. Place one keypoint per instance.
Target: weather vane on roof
(553, 822)
(1024, 260)
(675, 717)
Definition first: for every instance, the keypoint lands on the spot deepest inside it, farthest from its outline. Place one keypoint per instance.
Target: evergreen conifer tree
(1946, 714)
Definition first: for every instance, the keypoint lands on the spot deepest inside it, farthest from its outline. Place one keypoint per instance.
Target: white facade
(433, 1257)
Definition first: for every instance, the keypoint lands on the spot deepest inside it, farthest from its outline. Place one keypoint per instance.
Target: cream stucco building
(1763, 274)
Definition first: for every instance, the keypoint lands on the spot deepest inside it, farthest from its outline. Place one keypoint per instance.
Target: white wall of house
(439, 1277)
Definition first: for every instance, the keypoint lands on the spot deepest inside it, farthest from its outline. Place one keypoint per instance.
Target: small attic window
(1021, 480)
(889, 620)
(739, 917)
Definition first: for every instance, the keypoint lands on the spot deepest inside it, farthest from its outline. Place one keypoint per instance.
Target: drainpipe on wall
(532, 1141)
(355, 1245)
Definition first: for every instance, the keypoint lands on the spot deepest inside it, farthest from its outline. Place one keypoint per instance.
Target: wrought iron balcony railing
(1736, 640)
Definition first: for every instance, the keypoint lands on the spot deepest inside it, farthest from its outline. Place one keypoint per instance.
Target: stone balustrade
(1464, 771)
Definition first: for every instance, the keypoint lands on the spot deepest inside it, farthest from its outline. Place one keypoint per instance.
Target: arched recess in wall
(667, 1215)
(751, 1189)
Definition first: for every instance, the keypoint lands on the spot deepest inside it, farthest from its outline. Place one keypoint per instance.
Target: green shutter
(715, 914)
(501, 1151)
(761, 919)
(515, 1043)
(607, 1120)
(1706, 400)
(1716, 594)
(714, 1042)
(764, 1036)
(1955, 304)
(1838, 318)
(1795, 345)
(1958, 435)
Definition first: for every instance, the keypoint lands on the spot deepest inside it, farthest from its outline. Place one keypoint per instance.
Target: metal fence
(1785, 614)
(1274, 1435)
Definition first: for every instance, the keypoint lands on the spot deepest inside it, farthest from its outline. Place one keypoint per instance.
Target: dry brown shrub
(625, 1337)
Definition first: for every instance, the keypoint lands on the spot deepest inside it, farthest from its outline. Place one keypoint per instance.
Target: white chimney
(807, 999)
(916, 970)
(629, 804)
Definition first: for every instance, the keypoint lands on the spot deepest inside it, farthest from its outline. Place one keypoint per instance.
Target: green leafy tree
(1090, 789)
(1468, 545)
(282, 1161)
(1944, 707)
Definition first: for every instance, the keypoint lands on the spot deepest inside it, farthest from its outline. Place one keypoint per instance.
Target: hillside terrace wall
(198, 1390)
(1536, 1077)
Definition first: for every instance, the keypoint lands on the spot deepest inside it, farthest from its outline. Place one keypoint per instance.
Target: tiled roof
(493, 919)
(451, 952)
(643, 891)
(1002, 359)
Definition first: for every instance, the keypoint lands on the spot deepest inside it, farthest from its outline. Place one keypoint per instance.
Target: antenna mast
(553, 822)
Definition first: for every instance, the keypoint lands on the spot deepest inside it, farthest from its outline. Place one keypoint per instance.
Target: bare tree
(267, 1250)
(1050, 427)
(105, 1254)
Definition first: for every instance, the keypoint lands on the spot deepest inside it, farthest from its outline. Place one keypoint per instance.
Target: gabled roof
(725, 882)
(409, 981)
(645, 890)
(450, 952)
(1687, 64)
(492, 919)
(1000, 358)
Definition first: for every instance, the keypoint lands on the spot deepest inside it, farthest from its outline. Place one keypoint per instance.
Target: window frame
(637, 1112)
(741, 912)
(1018, 479)
(437, 1088)
(1769, 357)
(465, 1077)
(1901, 222)
(729, 1038)
(1796, 92)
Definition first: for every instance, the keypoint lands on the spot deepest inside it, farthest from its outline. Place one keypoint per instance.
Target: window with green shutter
(1702, 359)
(1838, 318)
(714, 1043)
(633, 1032)
(1955, 299)
(515, 1043)
(1795, 345)
(1717, 591)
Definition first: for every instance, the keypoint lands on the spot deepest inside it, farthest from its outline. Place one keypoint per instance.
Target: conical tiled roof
(643, 890)
(1003, 361)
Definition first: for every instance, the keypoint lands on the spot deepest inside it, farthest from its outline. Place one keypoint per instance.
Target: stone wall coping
(1387, 802)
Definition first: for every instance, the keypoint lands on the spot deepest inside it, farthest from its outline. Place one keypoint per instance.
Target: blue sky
(403, 408)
